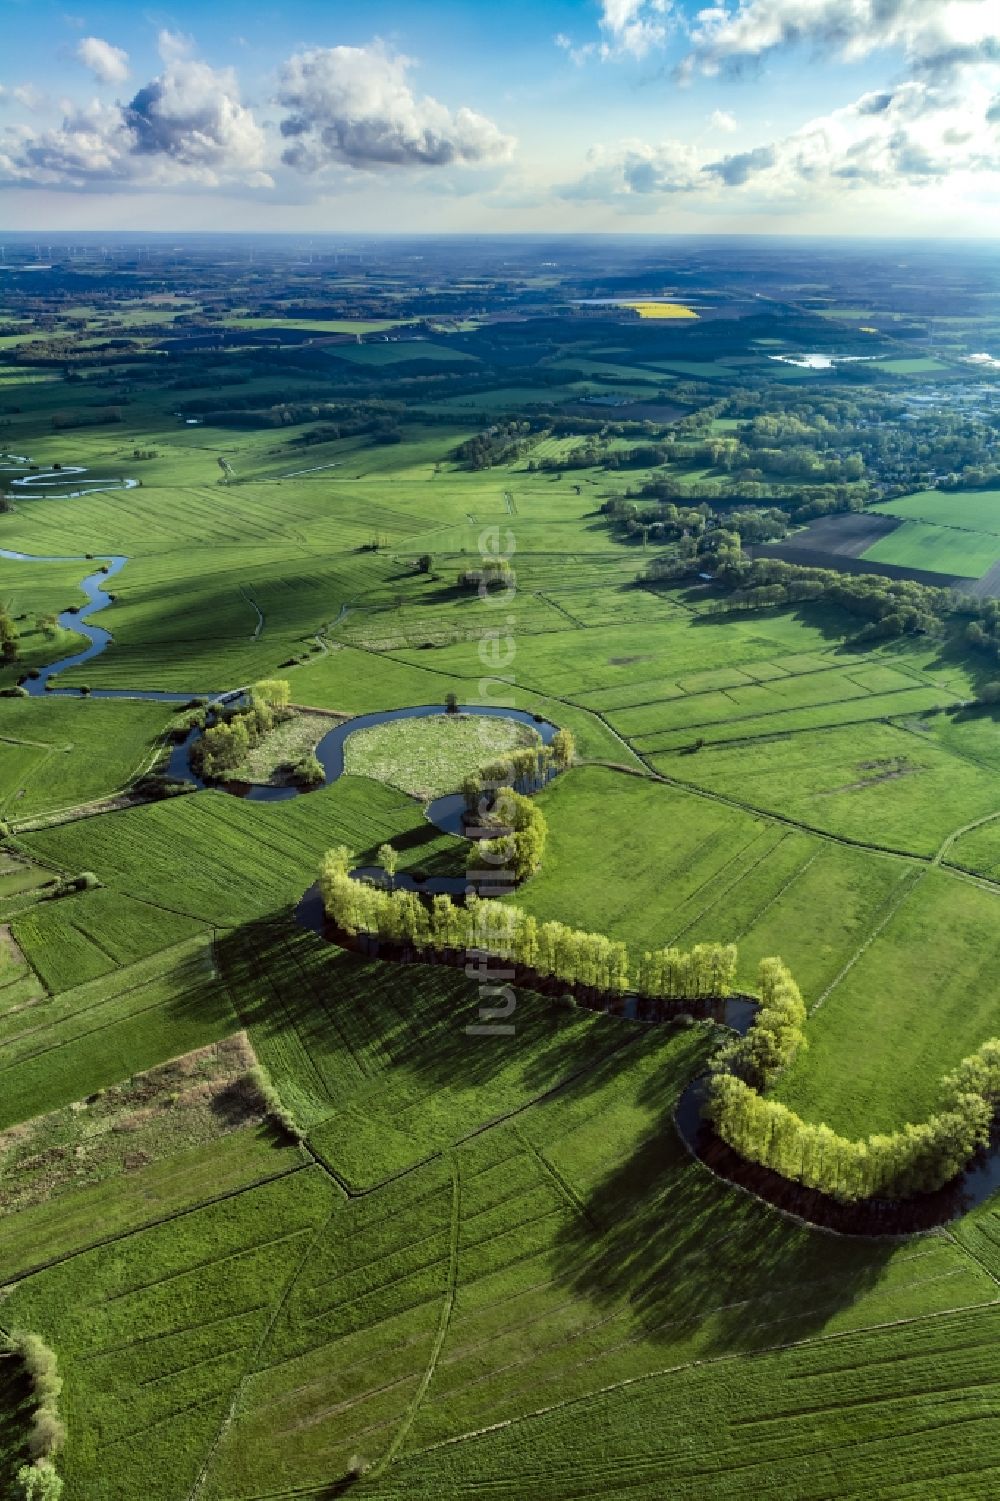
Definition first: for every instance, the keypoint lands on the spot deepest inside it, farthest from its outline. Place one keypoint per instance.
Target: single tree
(388, 858)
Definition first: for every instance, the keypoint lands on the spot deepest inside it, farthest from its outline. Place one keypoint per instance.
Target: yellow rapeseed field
(662, 310)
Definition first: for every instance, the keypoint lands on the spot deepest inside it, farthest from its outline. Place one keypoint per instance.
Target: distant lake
(822, 361)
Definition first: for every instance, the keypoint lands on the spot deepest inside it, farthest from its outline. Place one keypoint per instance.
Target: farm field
(939, 549)
(429, 757)
(299, 1212)
(907, 1012)
(684, 869)
(975, 510)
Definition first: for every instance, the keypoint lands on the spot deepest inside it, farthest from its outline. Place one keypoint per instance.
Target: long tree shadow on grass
(410, 1018)
(16, 1411)
(700, 1262)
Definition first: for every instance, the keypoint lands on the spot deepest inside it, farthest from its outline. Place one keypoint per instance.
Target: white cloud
(90, 144)
(186, 126)
(578, 55)
(636, 169)
(355, 106)
(914, 137)
(29, 96)
(933, 35)
(192, 115)
(109, 64)
(633, 27)
(720, 119)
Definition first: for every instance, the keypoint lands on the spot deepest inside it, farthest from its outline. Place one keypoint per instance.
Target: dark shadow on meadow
(287, 981)
(17, 1408)
(662, 1235)
(657, 1233)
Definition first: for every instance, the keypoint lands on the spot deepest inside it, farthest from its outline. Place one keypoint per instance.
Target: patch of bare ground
(886, 770)
(189, 1101)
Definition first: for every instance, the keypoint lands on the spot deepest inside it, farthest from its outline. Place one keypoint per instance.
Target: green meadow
(411, 1258)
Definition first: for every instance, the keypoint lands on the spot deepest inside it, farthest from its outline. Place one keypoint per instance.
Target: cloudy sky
(781, 116)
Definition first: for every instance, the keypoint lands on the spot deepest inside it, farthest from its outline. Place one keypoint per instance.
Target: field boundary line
(254, 1355)
(480, 1130)
(163, 1219)
(565, 1187)
(782, 889)
(986, 883)
(968, 1251)
(579, 624)
(765, 1352)
(901, 893)
(960, 833)
(732, 881)
(259, 628)
(789, 708)
(444, 1322)
(94, 1006)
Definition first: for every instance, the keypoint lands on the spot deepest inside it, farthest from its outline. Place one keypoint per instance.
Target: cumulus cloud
(633, 27)
(91, 143)
(186, 126)
(934, 35)
(355, 106)
(191, 114)
(911, 137)
(109, 64)
(636, 169)
(721, 119)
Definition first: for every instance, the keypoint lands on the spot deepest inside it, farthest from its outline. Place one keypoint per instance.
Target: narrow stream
(922, 1212)
(909, 1216)
(444, 812)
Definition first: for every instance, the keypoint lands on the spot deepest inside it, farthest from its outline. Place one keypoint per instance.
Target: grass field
(240, 859)
(476, 1263)
(970, 510)
(428, 757)
(939, 549)
(678, 868)
(916, 1002)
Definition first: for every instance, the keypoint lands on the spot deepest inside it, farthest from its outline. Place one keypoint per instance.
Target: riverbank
(271, 763)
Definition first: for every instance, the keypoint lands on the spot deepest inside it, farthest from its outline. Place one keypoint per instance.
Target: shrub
(38, 1482)
(309, 771)
(260, 1080)
(47, 1432)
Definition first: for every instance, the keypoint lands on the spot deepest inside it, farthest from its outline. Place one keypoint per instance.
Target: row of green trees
(889, 607)
(516, 833)
(227, 743)
(916, 1159)
(675, 974)
(525, 770)
(571, 956)
(778, 1033)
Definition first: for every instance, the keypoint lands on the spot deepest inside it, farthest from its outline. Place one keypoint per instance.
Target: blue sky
(804, 116)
